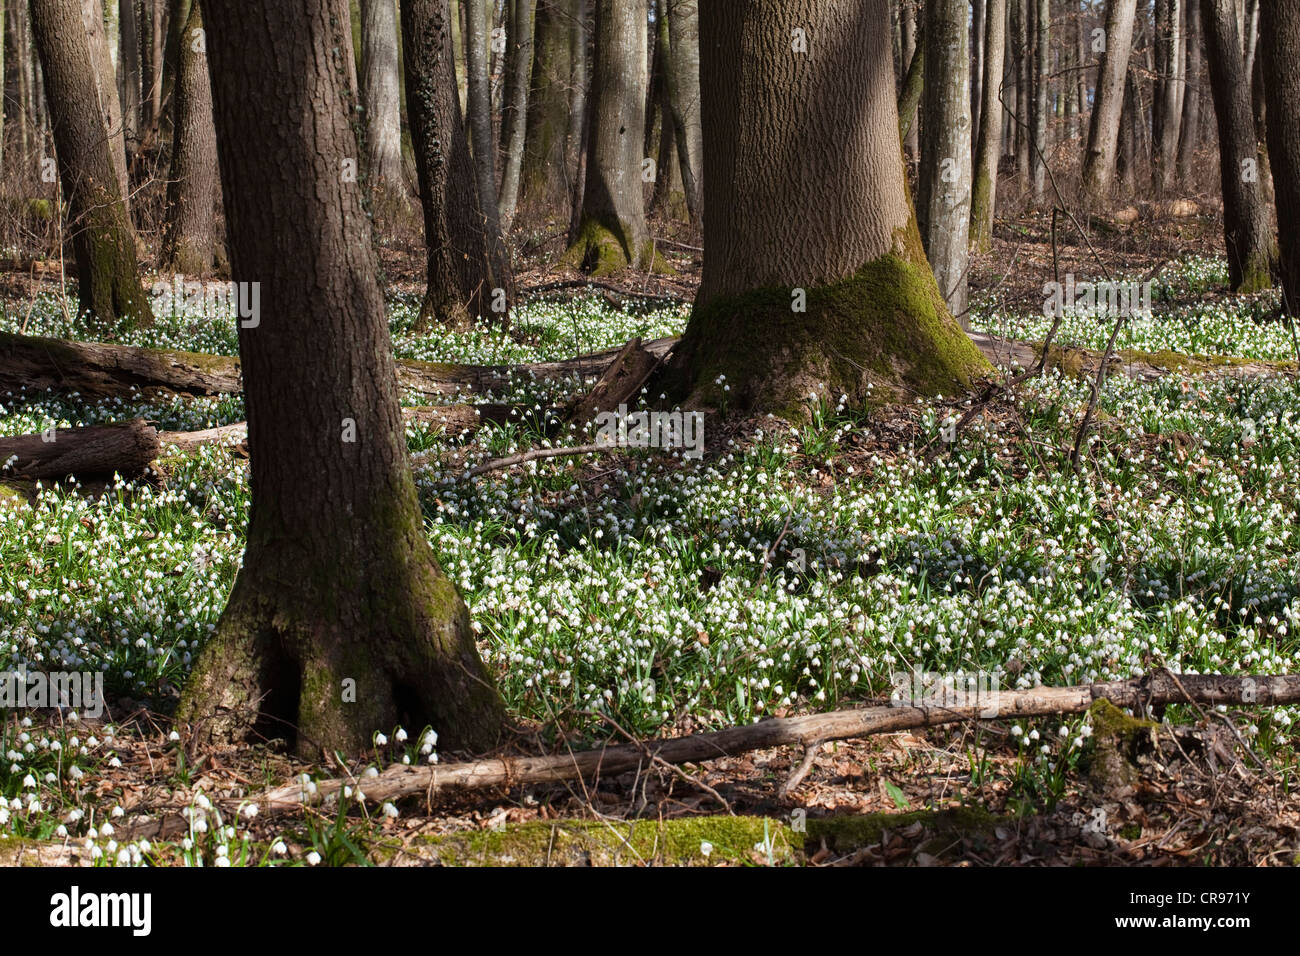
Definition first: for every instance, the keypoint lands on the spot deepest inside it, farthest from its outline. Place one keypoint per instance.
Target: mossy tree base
(326, 665)
(880, 335)
(606, 249)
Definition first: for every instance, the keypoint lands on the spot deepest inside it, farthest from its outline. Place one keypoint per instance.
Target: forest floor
(791, 569)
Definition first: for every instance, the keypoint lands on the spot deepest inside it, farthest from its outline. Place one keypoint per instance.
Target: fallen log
(96, 451)
(1158, 688)
(99, 369)
(618, 384)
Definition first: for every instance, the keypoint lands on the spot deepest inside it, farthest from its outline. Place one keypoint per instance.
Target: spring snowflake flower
(313, 857)
(706, 848)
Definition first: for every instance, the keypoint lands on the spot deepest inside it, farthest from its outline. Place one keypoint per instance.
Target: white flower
(380, 740)
(250, 811)
(390, 810)
(313, 857)
(706, 847)
(278, 848)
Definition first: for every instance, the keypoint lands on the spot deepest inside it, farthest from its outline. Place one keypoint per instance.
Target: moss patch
(1117, 739)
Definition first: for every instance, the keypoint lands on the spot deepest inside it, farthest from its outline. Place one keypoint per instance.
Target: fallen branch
(536, 453)
(806, 731)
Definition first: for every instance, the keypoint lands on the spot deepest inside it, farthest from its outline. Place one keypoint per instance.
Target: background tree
(381, 96)
(1280, 52)
(1108, 101)
(1247, 228)
(339, 589)
(684, 99)
(479, 110)
(944, 189)
(612, 233)
(815, 280)
(189, 241)
(103, 240)
(544, 177)
(989, 141)
(467, 261)
(92, 17)
(515, 116)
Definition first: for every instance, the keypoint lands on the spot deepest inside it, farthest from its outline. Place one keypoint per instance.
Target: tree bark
(1108, 100)
(1247, 228)
(468, 271)
(944, 190)
(989, 146)
(910, 46)
(381, 96)
(612, 233)
(92, 15)
(515, 119)
(189, 241)
(1280, 52)
(684, 100)
(544, 176)
(480, 112)
(1189, 135)
(128, 78)
(1042, 82)
(103, 241)
(340, 622)
(829, 230)
(668, 197)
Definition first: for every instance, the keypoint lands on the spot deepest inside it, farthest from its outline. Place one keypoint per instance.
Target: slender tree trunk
(189, 241)
(92, 13)
(1022, 11)
(1042, 91)
(815, 281)
(1247, 229)
(1280, 52)
(579, 111)
(989, 147)
(102, 237)
(514, 121)
(684, 99)
(340, 622)
(944, 190)
(612, 234)
(1168, 104)
(480, 111)
(1108, 101)
(979, 27)
(908, 30)
(1189, 136)
(909, 97)
(381, 96)
(128, 78)
(544, 178)
(468, 271)
(3, 78)
(668, 196)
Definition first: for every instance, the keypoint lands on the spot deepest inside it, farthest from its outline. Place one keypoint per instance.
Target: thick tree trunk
(1189, 135)
(684, 100)
(340, 623)
(103, 239)
(514, 120)
(816, 281)
(612, 233)
(468, 271)
(944, 190)
(1108, 101)
(1280, 52)
(544, 178)
(189, 241)
(479, 114)
(92, 16)
(381, 96)
(1247, 227)
(989, 148)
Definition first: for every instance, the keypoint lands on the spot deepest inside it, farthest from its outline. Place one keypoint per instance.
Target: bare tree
(989, 142)
(1108, 103)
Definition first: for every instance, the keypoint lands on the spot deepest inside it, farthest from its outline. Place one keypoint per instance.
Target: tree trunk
(381, 96)
(544, 178)
(944, 192)
(1280, 52)
(189, 241)
(97, 451)
(978, 30)
(103, 239)
(816, 280)
(1042, 83)
(668, 197)
(514, 120)
(92, 14)
(468, 272)
(989, 148)
(684, 100)
(909, 97)
(612, 234)
(340, 622)
(907, 26)
(480, 112)
(1247, 228)
(1021, 14)
(1167, 107)
(1190, 131)
(579, 110)
(1108, 100)
(128, 77)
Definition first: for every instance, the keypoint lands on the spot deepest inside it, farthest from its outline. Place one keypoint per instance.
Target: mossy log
(809, 730)
(100, 369)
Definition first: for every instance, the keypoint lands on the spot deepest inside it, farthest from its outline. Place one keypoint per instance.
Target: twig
(534, 455)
